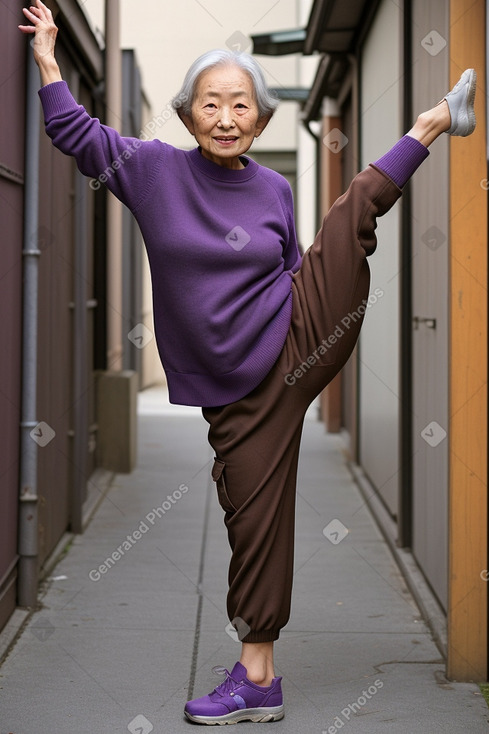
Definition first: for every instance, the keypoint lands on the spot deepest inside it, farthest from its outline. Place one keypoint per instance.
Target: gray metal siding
(381, 95)
(430, 262)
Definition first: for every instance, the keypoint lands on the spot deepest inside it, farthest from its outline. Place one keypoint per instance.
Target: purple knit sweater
(221, 245)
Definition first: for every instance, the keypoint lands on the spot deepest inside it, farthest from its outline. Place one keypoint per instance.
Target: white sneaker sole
(257, 716)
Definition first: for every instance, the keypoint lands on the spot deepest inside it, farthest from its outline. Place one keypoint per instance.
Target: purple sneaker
(237, 699)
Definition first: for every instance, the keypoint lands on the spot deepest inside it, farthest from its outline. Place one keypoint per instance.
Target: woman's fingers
(30, 16)
(28, 28)
(43, 28)
(36, 14)
(44, 8)
(40, 10)
(33, 18)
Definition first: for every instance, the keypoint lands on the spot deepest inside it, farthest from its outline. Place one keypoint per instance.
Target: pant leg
(332, 286)
(256, 439)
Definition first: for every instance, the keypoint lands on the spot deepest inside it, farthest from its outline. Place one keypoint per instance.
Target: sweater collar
(220, 173)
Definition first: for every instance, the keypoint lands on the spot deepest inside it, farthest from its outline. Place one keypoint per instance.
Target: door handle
(428, 322)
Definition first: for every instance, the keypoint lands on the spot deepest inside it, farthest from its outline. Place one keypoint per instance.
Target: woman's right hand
(45, 32)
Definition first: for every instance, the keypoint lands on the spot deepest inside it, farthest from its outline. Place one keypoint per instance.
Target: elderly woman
(246, 330)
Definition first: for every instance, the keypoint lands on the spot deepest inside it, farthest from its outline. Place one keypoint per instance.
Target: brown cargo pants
(256, 439)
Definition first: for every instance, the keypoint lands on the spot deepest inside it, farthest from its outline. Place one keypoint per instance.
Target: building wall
(444, 234)
(430, 283)
(65, 376)
(62, 464)
(12, 75)
(379, 341)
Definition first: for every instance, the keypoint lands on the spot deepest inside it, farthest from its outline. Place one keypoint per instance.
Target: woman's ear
(261, 124)
(187, 121)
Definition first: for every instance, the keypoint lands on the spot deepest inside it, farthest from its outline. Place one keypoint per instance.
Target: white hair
(266, 102)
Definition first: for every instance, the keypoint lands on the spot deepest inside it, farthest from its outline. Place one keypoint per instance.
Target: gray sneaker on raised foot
(461, 104)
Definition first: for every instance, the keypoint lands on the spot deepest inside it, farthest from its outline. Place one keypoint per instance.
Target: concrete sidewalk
(120, 646)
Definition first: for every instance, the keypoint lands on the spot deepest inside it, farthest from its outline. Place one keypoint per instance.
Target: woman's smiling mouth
(225, 139)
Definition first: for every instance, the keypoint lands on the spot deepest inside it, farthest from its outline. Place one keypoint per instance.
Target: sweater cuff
(402, 160)
(56, 99)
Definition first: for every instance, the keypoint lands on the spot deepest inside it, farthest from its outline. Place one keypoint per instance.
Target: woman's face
(224, 118)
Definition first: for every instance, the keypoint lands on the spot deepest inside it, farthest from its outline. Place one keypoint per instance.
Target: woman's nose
(226, 118)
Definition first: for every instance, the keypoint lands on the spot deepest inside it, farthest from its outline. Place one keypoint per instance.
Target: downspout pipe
(113, 79)
(317, 140)
(28, 498)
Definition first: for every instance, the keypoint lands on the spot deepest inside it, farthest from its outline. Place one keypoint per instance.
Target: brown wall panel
(54, 403)
(12, 101)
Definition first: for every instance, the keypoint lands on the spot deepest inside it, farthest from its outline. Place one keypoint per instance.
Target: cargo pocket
(222, 495)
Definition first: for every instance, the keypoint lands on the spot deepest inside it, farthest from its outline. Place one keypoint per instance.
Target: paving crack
(437, 661)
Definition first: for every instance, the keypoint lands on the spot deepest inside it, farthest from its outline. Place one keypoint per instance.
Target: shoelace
(228, 683)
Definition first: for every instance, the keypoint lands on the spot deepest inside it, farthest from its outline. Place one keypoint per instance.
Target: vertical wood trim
(467, 594)
(331, 400)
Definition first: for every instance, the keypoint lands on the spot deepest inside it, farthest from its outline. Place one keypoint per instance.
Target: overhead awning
(279, 43)
(334, 25)
(327, 83)
(290, 94)
(335, 29)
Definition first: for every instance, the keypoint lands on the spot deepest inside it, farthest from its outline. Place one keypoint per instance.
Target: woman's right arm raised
(126, 165)
(45, 33)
